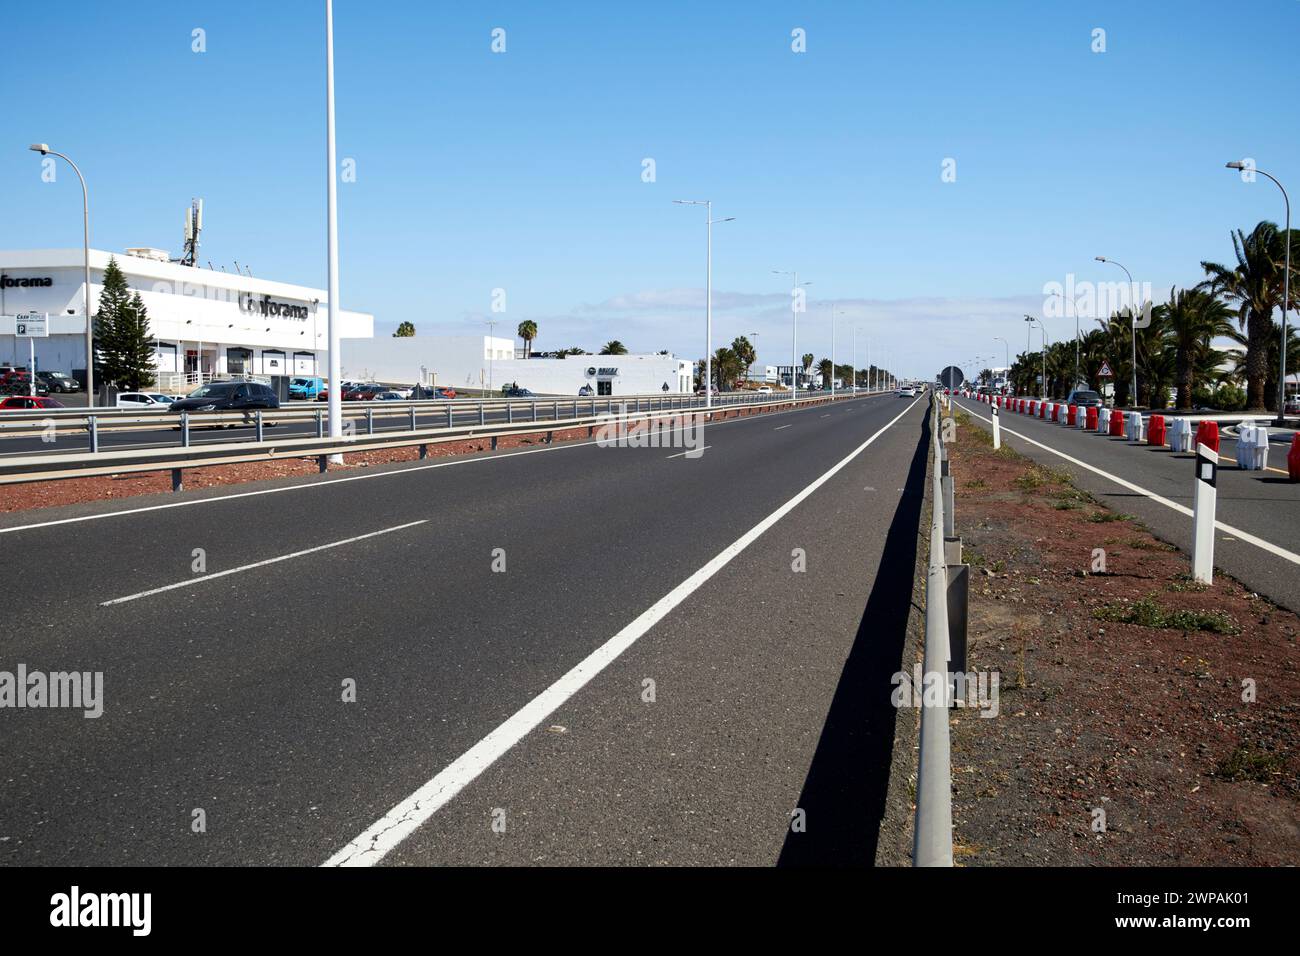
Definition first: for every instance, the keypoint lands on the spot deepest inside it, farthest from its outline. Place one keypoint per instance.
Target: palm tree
(745, 351)
(1255, 286)
(1194, 318)
(1116, 334)
(528, 332)
(827, 370)
(613, 347)
(726, 368)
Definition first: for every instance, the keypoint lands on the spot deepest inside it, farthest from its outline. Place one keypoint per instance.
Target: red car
(364, 393)
(28, 401)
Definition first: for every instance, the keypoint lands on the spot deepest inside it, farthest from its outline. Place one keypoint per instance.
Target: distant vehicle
(1292, 406)
(586, 391)
(765, 389)
(388, 396)
(29, 401)
(514, 391)
(146, 401)
(305, 388)
(906, 391)
(1084, 398)
(699, 390)
(227, 397)
(16, 382)
(58, 382)
(364, 393)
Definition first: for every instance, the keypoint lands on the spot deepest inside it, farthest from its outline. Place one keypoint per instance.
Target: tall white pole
(832, 381)
(332, 238)
(708, 311)
(794, 338)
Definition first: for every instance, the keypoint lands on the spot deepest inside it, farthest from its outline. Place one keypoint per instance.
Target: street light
(1063, 299)
(708, 292)
(794, 331)
(44, 150)
(834, 313)
(332, 241)
(1007, 346)
(1286, 291)
(1133, 314)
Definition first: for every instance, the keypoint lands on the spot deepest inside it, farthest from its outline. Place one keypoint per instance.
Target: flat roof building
(205, 323)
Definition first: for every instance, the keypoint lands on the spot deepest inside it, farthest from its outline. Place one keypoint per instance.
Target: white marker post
(1207, 470)
(997, 429)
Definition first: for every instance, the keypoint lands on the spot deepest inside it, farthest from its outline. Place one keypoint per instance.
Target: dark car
(364, 393)
(227, 397)
(514, 391)
(16, 382)
(58, 381)
(1084, 398)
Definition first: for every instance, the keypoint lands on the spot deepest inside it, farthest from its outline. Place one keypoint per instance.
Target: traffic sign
(951, 377)
(34, 325)
(1105, 371)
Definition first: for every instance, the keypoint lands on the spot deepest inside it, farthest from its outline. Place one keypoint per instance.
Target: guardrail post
(510, 415)
(494, 442)
(958, 605)
(534, 411)
(185, 429)
(412, 418)
(451, 418)
(322, 461)
(424, 452)
(370, 421)
(257, 419)
(482, 415)
(92, 426)
(949, 516)
(176, 480)
(555, 412)
(320, 425)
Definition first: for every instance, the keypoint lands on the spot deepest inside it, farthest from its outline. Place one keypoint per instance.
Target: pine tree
(114, 299)
(135, 345)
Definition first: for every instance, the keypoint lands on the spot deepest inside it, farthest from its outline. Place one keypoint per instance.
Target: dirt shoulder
(1171, 707)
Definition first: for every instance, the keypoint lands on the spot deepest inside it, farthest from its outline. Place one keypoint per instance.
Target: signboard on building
(35, 325)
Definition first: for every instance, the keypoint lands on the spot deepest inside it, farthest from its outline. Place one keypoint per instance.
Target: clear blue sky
(522, 170)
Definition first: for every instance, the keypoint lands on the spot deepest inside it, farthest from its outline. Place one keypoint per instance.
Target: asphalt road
(224, 691)
(1262, 504)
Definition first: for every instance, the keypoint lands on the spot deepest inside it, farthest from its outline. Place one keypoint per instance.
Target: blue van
(305, 389)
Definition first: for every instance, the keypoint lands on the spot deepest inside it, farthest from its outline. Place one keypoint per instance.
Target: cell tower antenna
(193, 227)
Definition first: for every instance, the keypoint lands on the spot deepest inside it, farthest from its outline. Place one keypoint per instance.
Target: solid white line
(397, 824)
(779, 427)
(563, 446)
(1181, 509)
(259, 564)
(680, 453)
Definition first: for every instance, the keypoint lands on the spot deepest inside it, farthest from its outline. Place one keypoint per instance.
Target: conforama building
(203, 321)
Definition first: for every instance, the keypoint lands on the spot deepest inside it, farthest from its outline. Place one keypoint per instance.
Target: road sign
(951, 377)
(34, 325)
(1105, 371)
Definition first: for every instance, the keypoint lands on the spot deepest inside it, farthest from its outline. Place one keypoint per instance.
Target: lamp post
(1133, 315)
(794, 330)
(1063, 299)
(332, 239)
(1286, 293)
(1028, 331)
(708, 291)
(44, 150)
(492, 350)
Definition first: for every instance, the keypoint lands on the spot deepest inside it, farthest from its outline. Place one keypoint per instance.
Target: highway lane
(225, 696)
(1263, 504)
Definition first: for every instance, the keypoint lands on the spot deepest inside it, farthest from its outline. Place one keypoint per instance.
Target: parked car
(365, 393)
(765, 389)
(388, 396)
(29, 401)
(514, 391)
(305, 388)
(1084, 398)
(58, 381)
(146, 401)
(227, 397)
(1292, 405)
(16, 382)
(586, 391)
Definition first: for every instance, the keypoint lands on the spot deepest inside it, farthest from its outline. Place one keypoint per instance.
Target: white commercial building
(488, 362)
(205, 323)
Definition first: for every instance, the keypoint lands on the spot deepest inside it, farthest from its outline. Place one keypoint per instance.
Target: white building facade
(205, 323)
(488, 362)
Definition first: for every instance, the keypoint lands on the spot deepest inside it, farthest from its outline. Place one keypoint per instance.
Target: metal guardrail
(79, 421)
(45, 467)
(946, 593)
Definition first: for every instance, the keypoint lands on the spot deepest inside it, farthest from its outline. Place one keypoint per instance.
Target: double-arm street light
(44, 150)
(708, 292)
(1286, 290)
(1133, 314)
(794, 329)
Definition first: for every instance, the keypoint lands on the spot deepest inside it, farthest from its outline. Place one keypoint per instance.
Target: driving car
(1084, 398)
(765, 389)
(226, 397)
(906, 391)
(29, 401)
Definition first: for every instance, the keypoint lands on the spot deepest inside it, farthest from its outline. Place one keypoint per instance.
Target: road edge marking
(385, 834)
